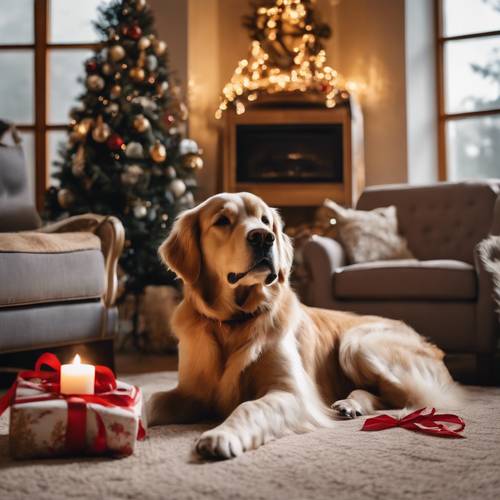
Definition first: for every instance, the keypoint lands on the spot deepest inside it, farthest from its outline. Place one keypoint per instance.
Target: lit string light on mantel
(286, 55)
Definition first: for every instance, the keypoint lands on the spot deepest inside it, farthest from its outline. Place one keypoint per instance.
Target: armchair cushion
(406, 280)
(40, 268)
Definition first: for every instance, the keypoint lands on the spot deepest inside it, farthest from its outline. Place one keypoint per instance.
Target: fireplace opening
(290, 153)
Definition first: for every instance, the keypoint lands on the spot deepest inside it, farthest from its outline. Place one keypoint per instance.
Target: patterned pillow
(369, 235)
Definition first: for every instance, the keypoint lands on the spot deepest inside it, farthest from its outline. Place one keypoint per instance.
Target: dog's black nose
(260, 238)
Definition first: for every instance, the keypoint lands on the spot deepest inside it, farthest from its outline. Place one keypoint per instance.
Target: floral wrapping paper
(38, 429)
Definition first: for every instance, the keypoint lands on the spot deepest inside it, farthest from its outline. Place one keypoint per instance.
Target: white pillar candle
(77, 378)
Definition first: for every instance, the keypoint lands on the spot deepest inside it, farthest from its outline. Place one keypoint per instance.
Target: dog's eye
(222, 221)
(265, 220)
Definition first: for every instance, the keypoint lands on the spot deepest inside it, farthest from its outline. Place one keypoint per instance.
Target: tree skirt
(342, 463)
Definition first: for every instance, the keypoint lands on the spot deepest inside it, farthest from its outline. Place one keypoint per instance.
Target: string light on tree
(286, 55)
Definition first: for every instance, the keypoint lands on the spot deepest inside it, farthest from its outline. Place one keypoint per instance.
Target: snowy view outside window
(472, 83)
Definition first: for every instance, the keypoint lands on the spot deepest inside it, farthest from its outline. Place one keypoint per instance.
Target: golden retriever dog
(253, 356)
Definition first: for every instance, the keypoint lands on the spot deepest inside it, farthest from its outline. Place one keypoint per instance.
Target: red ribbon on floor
(76, 427)
(418, 421)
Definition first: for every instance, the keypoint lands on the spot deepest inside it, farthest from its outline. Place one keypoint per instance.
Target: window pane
(473, 146)
(29, 156)
(65, 66)
(16, 22)
(56, 139)
(71, 21)
(16, 86)
(461, 17)
(471, 74)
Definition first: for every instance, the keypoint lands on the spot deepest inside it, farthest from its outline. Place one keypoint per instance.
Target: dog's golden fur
(252, 355)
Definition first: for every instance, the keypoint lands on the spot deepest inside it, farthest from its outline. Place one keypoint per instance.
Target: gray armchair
(447, 293)
(57, 283)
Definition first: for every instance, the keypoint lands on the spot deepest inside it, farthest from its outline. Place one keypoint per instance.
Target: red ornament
(91, 66)
(170, 119)
(133, 32)
(115, 142)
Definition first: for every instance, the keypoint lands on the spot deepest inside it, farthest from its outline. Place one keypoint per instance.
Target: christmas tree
(286, 55)
(125, 153)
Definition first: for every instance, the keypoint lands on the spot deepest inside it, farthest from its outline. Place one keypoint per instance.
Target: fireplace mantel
(324, 146)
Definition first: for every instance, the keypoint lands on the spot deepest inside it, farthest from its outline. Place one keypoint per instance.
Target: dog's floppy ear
(285, 247)
(181, 250)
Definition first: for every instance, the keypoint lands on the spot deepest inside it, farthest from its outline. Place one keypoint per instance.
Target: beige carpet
(343, 463)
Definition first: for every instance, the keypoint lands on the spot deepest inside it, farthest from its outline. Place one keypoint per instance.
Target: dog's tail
(428, 383)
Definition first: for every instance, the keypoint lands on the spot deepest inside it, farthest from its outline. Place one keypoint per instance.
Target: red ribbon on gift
(418, 421)
(105, 382)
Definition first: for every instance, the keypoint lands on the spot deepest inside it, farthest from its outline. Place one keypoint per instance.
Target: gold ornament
(107, 69)
(115, 92)
(81, 129)
(158, 152)
(159, 47)
(140, 5)
(144, 43)
(141, 123)
(116, 53)
(101, 131)
(95, 83)
(78, 165)
(192, 161)
(65, 198)
(137, 74)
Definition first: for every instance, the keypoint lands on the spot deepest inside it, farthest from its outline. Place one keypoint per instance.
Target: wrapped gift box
(45, 424)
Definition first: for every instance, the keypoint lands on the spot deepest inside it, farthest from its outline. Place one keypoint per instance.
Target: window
(43, 44)
(468, 64)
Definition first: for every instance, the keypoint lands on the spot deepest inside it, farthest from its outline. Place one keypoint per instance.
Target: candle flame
(77, 360)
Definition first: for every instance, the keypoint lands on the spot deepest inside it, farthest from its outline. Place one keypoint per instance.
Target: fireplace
(295, 153)
(289, 153)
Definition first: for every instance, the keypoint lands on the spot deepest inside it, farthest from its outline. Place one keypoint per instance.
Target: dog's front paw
(347, 408)
(218, 443)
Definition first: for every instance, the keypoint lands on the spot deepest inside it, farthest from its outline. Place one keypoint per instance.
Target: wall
(171, 22)
(371, 51)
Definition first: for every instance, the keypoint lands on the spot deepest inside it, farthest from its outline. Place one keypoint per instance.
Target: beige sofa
(446, 294)
(58, 283)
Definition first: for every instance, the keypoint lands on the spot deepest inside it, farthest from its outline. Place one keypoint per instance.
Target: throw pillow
(369, 235)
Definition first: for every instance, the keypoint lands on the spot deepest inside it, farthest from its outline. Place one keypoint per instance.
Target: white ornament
(187, 146)
(140, 211)
(134, 150)
(177, 187)
(170, 172)
(151, 63)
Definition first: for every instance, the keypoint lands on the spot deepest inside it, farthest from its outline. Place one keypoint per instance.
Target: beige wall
(367, 47)
(370, 36)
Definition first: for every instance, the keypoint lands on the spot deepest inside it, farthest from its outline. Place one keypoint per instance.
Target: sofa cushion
(42, 268)
(406, 279)
(369, 235)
